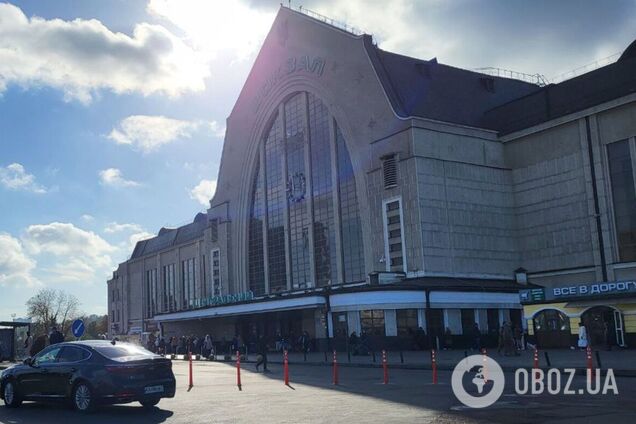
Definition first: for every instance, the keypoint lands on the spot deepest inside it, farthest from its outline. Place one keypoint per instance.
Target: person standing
(420, 338)
(38, 344)
(448, 339)
(304, 341)
(476, 337)
(508, 340)
(582, 336)
(353, 343)
(28, 343)
(516, 331)
(207, 346)
(56, 336)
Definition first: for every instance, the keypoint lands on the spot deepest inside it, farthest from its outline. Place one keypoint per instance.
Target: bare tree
(52, 307)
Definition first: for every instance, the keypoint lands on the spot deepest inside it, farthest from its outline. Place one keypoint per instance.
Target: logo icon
(487, 378)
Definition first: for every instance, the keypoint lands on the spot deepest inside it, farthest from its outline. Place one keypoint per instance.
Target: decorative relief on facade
(296, 187)
(305, 64)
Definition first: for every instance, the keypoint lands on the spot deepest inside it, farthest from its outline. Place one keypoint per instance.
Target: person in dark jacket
(476, 337)
(353, 343)
(56, 336)
(261, 351)
(420, 338)
(38, 344)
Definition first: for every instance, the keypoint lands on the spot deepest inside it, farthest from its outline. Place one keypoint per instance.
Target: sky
(112, 112)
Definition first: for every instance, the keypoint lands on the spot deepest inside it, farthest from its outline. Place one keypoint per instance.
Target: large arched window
(304, 228)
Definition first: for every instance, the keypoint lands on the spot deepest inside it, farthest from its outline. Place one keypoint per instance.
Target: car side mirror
(28, 361)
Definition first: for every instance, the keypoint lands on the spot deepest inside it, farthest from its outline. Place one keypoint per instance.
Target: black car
(89, 373)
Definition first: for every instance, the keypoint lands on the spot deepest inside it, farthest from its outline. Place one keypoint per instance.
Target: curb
(440, 367)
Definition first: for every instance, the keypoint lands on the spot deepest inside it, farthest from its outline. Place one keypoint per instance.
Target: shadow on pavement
(35, 412)
(414, 388)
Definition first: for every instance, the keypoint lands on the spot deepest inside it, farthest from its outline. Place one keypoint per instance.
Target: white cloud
(114, 227)
(78, 255)
(203, 192)
(503, 34)
(217, 129)
(113, 177)
(83, 56)
(215, 26)
(87, 218)
(147, 133)
(15, 177)
(15, 265)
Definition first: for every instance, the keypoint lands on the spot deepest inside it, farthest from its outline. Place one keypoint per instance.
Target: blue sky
(112, 112)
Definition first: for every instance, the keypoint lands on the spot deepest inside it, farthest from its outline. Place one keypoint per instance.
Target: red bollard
(335, 369)
(590, 364)
(286, 368)
(434, 365)
(238, 369)
(190, 371)
(485, 367)
(386, 367)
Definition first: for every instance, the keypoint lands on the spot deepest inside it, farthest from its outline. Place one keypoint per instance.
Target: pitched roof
(573, 95)
(428, 89)
(169, 237)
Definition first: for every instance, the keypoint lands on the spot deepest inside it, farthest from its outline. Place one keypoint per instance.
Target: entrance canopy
(246, 308)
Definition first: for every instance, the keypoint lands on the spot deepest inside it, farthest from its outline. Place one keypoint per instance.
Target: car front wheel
(149, 403)
(11, 399)
(83, 400)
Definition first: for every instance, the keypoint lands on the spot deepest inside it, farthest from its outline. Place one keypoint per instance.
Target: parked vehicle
(89, 373)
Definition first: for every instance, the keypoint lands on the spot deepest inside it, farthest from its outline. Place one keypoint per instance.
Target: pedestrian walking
(261, 354)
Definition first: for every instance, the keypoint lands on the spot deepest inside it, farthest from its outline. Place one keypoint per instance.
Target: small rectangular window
(216, 272)
(406, 322)
(394, 247)
(372, 322)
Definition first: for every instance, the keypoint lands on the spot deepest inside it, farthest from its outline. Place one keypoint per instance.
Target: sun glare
(215, 26)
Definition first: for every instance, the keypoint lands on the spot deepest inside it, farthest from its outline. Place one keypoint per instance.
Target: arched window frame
(348, 268)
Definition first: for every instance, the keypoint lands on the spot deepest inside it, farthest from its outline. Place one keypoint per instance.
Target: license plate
(153, 389)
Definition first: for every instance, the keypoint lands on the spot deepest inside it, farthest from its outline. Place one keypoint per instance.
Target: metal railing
(537, 79)
(329, 21)
(585, 68)
(541, 80)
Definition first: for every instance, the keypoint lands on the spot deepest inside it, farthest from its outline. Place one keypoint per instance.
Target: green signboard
(222, 300)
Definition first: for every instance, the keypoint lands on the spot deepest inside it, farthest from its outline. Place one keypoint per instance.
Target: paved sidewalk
(622, 361)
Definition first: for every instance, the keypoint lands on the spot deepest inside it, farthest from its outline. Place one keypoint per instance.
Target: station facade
(362, 190)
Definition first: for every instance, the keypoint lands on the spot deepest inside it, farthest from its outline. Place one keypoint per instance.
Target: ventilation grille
(389, 171)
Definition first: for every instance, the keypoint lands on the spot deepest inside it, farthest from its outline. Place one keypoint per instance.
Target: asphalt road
(361, 397)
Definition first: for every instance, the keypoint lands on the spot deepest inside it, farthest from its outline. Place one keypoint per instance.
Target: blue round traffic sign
(78, 328)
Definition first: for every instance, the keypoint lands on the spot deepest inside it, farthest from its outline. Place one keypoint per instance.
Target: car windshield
(122, 350)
